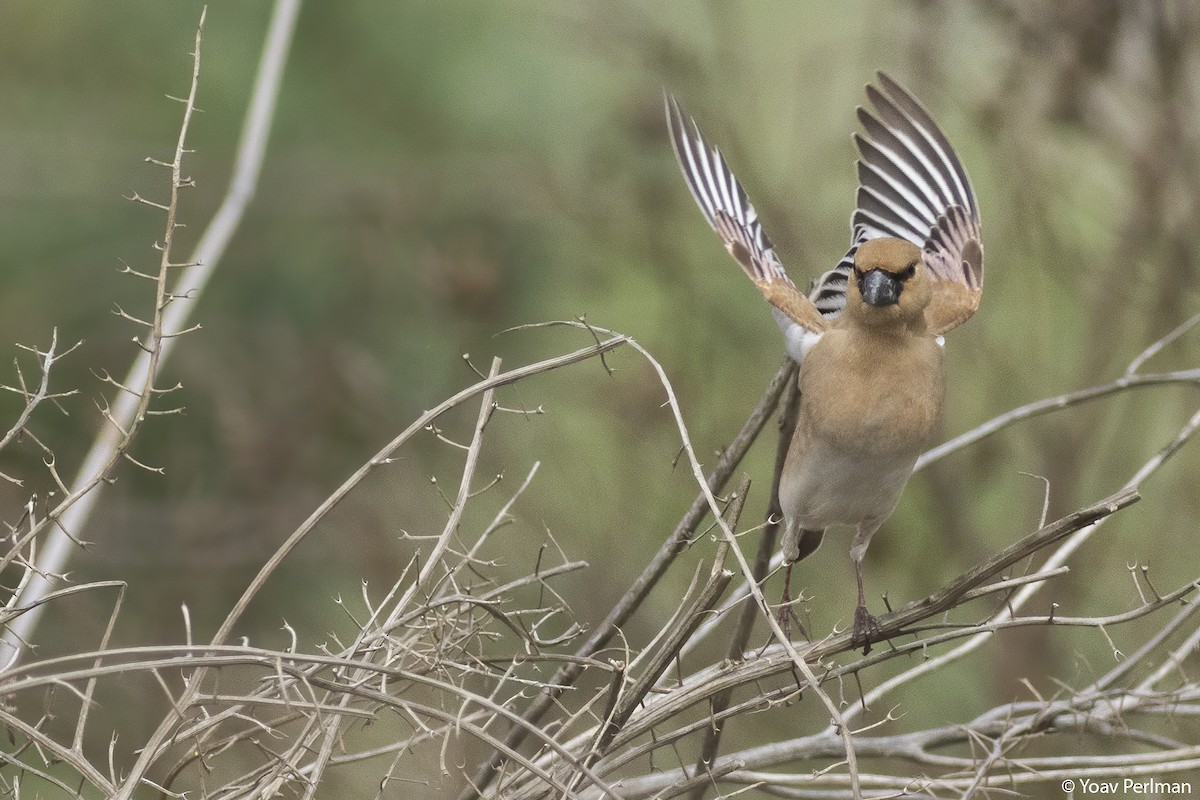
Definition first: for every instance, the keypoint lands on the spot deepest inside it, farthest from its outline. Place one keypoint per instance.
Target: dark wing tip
(858, 139)
(675, 117)
(874, 95)
(900, 96)
(972, 260)
(890, 84)
(671, 103)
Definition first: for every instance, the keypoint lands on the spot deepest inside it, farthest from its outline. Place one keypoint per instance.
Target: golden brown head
(889, 284)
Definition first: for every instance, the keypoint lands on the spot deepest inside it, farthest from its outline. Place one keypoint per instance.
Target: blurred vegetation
(440, 172)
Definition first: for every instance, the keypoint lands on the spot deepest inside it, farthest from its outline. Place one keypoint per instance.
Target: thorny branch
(445, 635)
(37, 395)
(134, 396)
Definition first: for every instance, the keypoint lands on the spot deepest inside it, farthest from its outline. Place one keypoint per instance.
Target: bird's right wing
(913, 186)
(725, 205)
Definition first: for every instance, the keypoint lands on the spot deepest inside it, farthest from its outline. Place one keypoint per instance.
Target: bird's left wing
(912, 186)
(728, 210)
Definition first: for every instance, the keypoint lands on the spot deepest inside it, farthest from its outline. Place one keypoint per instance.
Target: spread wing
(728, 210)
(912, 186)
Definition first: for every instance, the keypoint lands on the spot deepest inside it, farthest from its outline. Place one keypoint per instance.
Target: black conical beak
(879, 288)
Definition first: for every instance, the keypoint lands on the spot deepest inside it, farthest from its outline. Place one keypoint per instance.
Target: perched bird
(868, 335)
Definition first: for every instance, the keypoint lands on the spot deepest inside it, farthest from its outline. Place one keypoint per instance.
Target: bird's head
(890, 283)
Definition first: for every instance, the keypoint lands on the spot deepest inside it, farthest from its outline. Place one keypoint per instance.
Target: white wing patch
(799, 340)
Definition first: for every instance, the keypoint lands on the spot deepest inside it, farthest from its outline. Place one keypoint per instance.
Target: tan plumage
(868, 335)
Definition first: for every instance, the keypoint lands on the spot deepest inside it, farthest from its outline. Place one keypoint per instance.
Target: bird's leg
(786, 613)
(797, 544)
(866, 627)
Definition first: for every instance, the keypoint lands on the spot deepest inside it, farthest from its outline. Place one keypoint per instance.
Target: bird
(868, 334)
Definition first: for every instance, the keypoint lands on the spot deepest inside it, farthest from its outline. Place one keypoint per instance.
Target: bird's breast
(880, 398)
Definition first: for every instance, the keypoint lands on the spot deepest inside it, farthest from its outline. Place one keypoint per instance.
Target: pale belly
(826, 486)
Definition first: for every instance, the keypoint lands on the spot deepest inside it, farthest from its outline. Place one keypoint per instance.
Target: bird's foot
(866, 628)
(786, 615)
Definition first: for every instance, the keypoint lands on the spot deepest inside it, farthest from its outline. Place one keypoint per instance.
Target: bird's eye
(909, 271)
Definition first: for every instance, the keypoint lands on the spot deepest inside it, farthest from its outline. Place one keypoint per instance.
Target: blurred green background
(439, 172)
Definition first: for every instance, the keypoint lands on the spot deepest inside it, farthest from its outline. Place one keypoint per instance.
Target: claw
(866, 628)
(787, 614)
